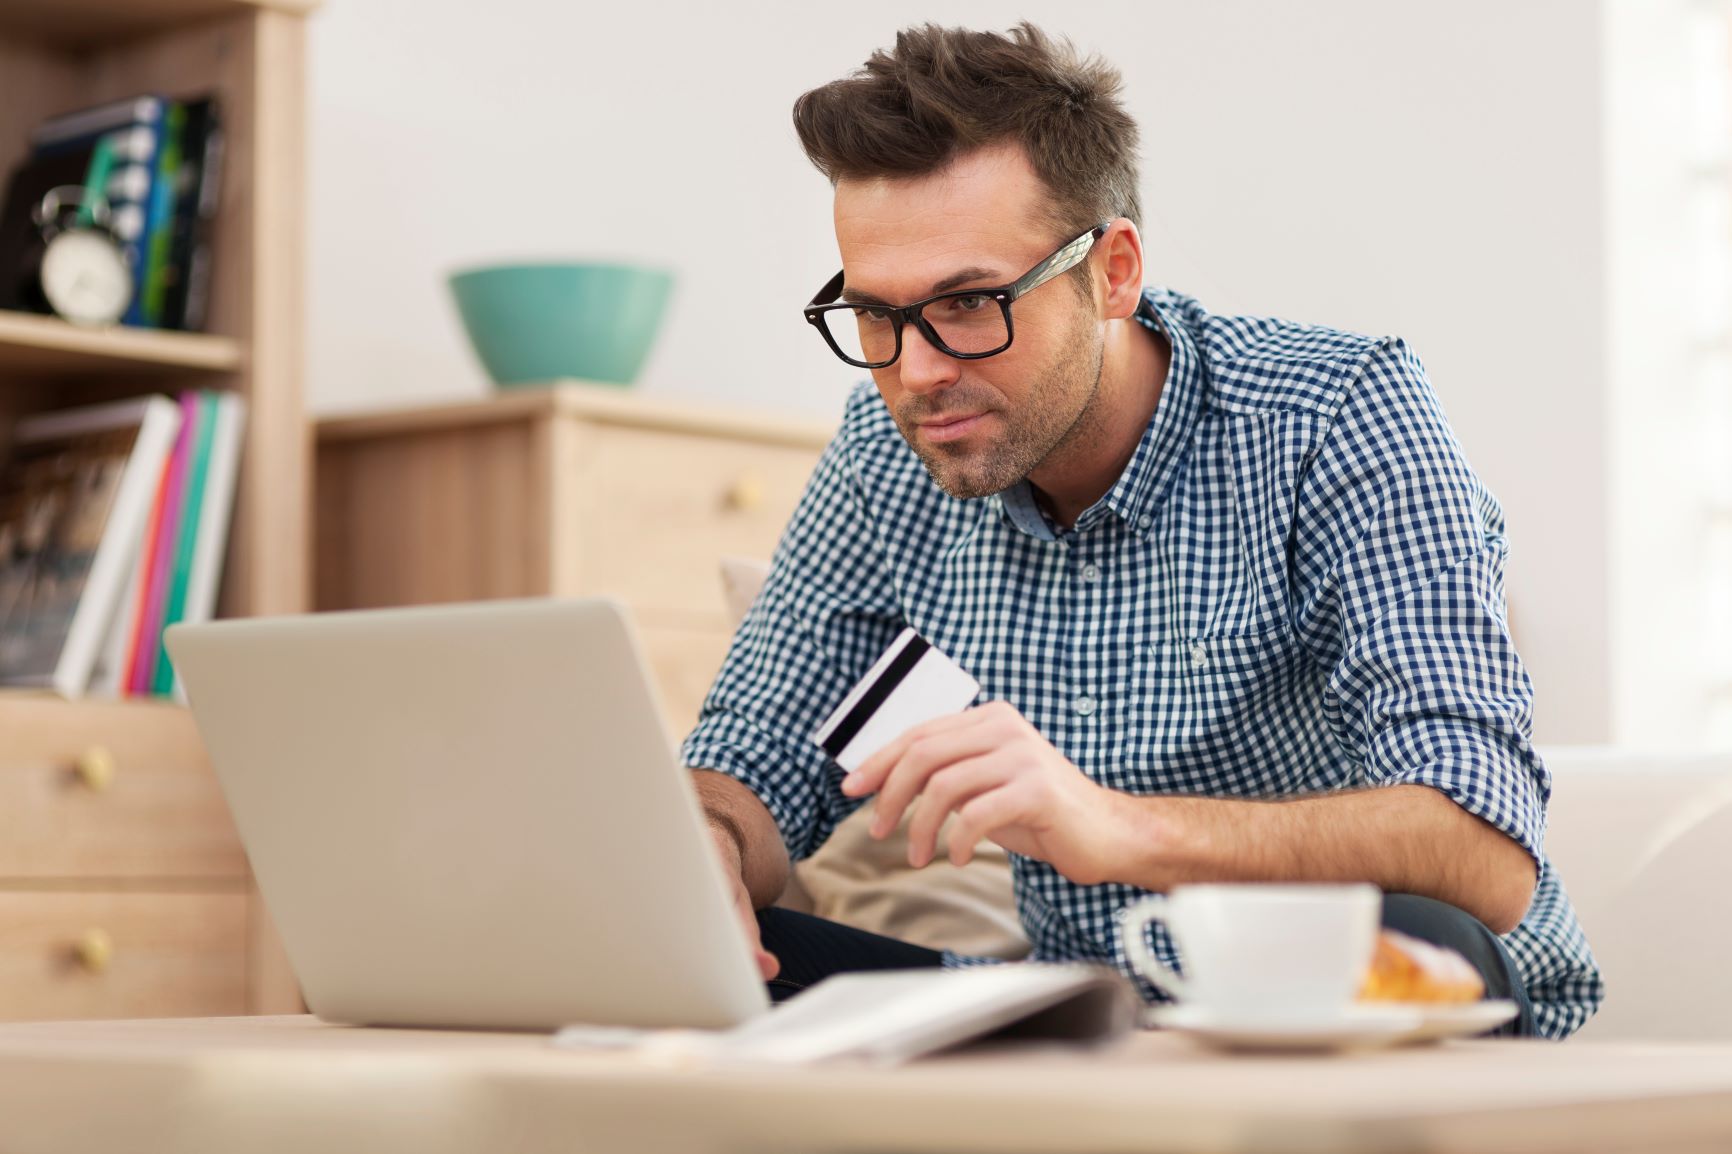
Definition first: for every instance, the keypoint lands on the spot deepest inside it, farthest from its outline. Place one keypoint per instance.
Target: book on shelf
(114, 520)
(74, 495)
(159, 221)
(158, 558)
(157, 163)
(176, 566)
(71, 129)
(227, 415)
(202, 419)
(186, 291)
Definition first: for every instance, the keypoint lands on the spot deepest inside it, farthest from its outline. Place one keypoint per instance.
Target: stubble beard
(1054, 419)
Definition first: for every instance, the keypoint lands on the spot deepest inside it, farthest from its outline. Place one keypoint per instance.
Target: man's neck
(1082, 471)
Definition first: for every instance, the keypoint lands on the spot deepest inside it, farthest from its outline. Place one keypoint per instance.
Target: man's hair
(944, 92)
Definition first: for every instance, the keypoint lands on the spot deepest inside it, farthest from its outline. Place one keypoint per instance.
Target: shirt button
(1199, 656)
(1090, 573)
(1144, 522)
(1084, 704)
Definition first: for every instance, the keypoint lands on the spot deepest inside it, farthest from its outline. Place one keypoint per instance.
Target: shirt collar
(1148, 476)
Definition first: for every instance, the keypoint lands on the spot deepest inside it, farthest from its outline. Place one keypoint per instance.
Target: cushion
(868, 884)
(1640, 839)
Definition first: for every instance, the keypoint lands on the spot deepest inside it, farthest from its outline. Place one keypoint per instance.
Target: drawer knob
(94, 951)
(746, 494)
(95, 769)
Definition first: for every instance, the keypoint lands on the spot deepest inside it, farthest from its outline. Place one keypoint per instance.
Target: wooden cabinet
(93, 791)
(572, 490)
(123, 888)
(124, 891)
(123, 954)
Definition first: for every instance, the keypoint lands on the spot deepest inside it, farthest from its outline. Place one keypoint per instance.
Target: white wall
(1668, 338)
(1428, 169)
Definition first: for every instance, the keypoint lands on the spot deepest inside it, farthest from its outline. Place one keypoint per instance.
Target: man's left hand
(1003, 780)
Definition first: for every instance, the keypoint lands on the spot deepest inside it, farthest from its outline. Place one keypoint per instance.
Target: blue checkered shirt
(1296, 586)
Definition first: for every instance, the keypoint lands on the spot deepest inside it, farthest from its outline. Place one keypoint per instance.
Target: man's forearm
(736, 810)
(1405, 838)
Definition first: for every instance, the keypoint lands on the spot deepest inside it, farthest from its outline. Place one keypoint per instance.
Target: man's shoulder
(1262, 364)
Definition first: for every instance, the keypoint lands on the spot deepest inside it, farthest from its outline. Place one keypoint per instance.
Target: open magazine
(886, 1017)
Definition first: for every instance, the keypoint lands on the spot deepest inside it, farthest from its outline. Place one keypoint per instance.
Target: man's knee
(1433, 921)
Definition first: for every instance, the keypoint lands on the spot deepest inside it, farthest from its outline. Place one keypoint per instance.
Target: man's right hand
(728, 851)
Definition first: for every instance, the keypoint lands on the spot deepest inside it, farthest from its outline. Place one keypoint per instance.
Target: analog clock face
(85, 277)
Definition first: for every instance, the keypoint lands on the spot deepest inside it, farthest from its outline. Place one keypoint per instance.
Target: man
(1231, 590)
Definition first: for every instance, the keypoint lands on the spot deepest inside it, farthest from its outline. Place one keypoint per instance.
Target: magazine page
(55, 500)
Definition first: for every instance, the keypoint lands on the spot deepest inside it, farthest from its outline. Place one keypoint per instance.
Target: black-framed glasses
(967, 324)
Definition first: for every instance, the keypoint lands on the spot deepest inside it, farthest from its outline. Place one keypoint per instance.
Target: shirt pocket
(1213, 715)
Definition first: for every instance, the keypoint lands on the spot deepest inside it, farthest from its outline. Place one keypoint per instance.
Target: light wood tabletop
(295, 1084)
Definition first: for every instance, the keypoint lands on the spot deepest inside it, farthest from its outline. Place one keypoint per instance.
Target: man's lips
(951, 428)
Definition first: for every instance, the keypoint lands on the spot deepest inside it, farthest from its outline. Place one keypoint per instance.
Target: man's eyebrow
(954, 280)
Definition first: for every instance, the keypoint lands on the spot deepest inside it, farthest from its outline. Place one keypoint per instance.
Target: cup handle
(1143, 959)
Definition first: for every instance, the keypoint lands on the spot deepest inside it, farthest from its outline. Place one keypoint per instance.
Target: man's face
(979, 426)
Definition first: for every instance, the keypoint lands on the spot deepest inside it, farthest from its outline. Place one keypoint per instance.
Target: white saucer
(1463, 1020)
(1359, 1026)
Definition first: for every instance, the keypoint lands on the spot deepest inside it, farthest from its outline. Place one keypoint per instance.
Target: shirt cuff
(1504, 787)
(785, 780)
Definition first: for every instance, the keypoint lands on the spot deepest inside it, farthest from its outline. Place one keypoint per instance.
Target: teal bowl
(534, 323)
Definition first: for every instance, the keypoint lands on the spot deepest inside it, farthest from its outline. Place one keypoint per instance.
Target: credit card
(910, 684)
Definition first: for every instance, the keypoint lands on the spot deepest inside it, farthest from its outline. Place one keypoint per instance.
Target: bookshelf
(106, 797)
(47, 347)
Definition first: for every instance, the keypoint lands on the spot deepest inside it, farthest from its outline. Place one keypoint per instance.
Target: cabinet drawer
(109, 790)
(660, 509)
(82, 955)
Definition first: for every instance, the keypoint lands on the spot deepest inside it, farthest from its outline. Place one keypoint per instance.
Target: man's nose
(922, 366)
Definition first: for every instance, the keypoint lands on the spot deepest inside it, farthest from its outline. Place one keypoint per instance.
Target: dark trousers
(811, 949)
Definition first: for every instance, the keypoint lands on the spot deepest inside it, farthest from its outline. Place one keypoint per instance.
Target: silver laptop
(469, 816)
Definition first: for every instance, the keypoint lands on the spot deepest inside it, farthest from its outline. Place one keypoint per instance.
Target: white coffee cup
(1260, 951)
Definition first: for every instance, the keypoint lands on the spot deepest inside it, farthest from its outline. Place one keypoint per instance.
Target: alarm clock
(80, 271)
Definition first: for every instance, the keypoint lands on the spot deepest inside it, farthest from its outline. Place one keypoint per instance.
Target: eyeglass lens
(965, 324)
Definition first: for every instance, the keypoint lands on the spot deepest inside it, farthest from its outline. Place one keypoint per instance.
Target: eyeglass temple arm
(1061, 261)
(829, 292)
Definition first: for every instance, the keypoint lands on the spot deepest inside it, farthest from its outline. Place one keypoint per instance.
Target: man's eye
(969, 304)
(873, 316)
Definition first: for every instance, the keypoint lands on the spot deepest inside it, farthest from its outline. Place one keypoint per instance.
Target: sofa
(1643, 842)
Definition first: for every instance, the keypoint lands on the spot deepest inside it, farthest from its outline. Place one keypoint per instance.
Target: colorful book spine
(197, 195)
(159, 225)
(192, 508)
(96, 182)
(139, 604)
(162, 552)
(215, 512)
(132, 218)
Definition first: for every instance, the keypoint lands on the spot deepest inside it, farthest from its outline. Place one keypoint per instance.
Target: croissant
(1406, 969)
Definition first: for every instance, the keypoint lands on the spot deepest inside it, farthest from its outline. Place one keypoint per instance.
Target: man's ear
(1118, 258)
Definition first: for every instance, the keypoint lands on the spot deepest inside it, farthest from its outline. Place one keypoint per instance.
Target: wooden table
(294, 1084)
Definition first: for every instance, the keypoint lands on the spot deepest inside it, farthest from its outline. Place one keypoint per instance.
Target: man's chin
(964, 478)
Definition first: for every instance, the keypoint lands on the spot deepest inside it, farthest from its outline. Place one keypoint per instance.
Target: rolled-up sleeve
(1398, 568)
(827, 610)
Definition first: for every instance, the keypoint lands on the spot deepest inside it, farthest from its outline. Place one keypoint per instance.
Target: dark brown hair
(943, 92)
